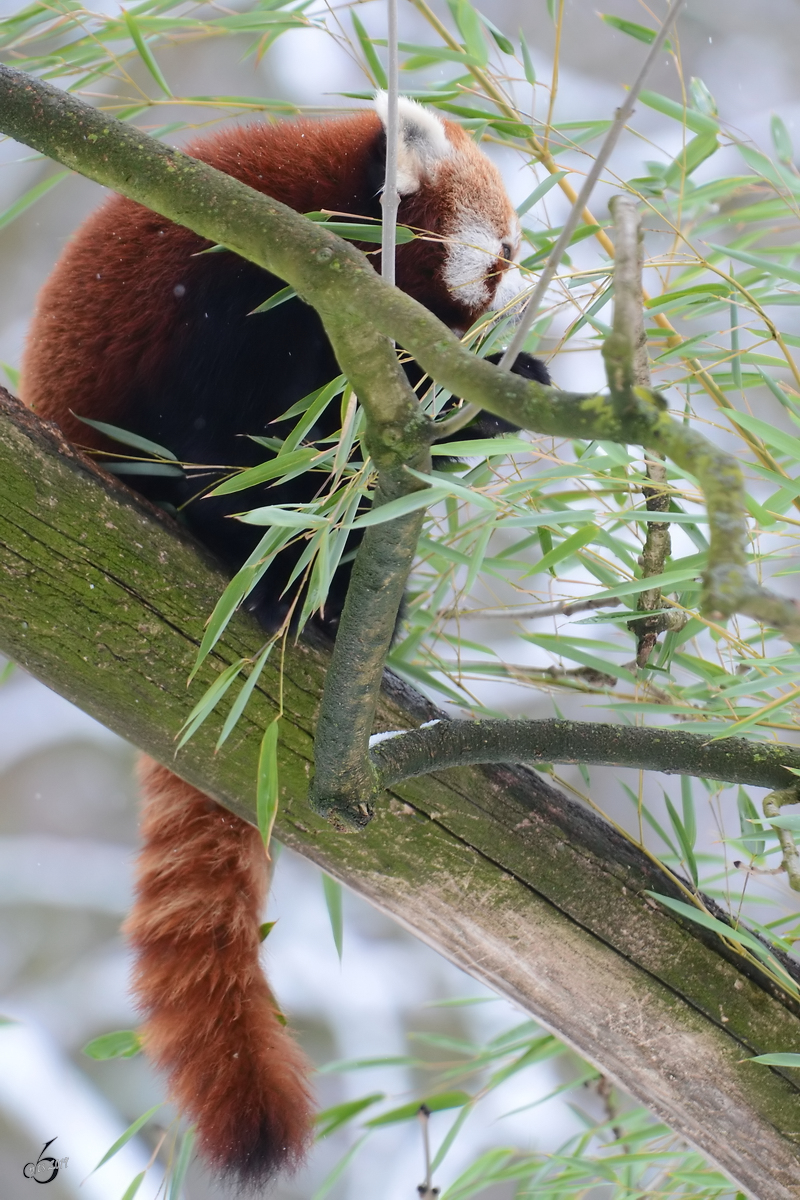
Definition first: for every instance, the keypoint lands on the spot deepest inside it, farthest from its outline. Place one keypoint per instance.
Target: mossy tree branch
(105, 600)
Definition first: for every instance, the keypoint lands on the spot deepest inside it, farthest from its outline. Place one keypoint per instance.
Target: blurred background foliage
(710, 153)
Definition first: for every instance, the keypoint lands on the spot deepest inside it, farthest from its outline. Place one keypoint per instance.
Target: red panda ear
(422, 143)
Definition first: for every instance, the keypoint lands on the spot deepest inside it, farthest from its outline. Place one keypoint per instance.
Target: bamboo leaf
(128, 439)
(209, 701)
(776, 1060)
(245, 693)
(30, 197)
(133, 1186)
(781, 140)
(540, 191)
(527, 61)
(749, 822)
(280, 297)
(333, 901)
(640, 32)
(334, 1118)
(696, 121)
(778, 270)
(267, 784)
(182, 1163)
(130, 1132)
(374, 63)
(408, 1112)
(145, 52)
(687, 850)
(125, 1043)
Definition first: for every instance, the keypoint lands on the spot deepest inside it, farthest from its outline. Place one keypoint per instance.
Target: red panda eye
(507, 251)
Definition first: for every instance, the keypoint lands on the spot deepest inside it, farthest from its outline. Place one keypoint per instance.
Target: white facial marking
(472, 250)
(511, 284)
(422, 142)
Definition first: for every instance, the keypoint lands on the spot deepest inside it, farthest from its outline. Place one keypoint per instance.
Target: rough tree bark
(104, 600)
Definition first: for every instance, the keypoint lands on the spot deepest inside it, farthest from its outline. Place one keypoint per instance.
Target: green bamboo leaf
(375, 65)
(527, 61)
(284, 516)
(687, 806)
(469, 25)
(125, 1043)
(502, 41)
(696, 121)
(271, 469)
(12, 374)
(764, 166)
(30, 197)
(128, 439)
(708, 922)
(224, 609)
(450, 1138)
(582, 650)
(434, 54)
(749, 823)
(640, 32)
(133, 1186)
(182, 1163)
(333, 1118)
(781, 140)
(693, 154)
(489, 447)
(333, 901)
(541, 190)
(785, 442)
(267, 785)
(776, 1060)
(361, 232)
(145, 52)
(130, 1132)
(400, 507)
(330, 390)
(778, 270)
(280, 297)
(687, 850)
(702, 99)
(116, 467)
(209, 701)
(245, 693)
(333, 1177)
(569, 546)
(408, 1112)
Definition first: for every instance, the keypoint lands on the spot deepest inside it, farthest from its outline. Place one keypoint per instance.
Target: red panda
(136, 328)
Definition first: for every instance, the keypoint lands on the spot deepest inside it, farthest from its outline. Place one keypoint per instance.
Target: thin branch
(571, 224)
(791, 859)
(525, 612)
(629, 324)
(675, 752)
(390, 200)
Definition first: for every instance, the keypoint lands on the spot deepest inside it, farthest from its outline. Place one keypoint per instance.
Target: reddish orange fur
(211, 1019)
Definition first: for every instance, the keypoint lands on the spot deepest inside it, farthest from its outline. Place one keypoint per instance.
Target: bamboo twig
(570, 225)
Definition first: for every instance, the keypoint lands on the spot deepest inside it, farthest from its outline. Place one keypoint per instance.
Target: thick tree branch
(675, 752)
(105, 600)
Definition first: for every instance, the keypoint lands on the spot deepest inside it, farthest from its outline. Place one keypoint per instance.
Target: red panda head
(449, 187)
